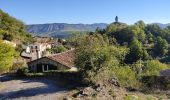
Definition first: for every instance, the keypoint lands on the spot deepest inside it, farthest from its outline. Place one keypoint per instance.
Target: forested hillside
(130, 56)
(12, 29)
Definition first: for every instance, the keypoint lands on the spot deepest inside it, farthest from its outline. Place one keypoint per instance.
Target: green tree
(160, 47)
(138, 32)
(154, 29)
(95, 57)
(114, 28)
(127, 34)
(150, 38)
(153, 67)
(136, 52)
(58, 49)
(141, 24)
(6, 57)
(12, 29)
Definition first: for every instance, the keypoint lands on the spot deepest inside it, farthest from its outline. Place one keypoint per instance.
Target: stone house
(35, 51)
(61, 61)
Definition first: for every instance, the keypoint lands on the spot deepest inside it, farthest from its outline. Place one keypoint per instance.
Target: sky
(87, 11)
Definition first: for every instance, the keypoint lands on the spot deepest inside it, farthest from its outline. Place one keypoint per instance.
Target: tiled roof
(65, 58)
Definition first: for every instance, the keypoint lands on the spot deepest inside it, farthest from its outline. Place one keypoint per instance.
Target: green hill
(12, 29)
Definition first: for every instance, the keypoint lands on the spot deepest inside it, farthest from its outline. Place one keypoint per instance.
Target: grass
(131, 97)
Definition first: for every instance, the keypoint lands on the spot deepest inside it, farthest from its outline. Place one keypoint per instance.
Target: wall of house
(33, 65)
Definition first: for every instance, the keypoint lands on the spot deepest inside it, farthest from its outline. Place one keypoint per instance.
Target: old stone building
(35, 51)
(61, 61)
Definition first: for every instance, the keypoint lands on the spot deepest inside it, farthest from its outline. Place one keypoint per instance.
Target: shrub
(6, 57)
(17, 65)
(126, 76)
(95, 58)
(153, 67)
(35, 74)
(22, 71)
(58, 49)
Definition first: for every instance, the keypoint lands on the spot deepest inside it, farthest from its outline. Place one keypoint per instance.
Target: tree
(153, 67)
(141, 24)
(136, 52)
(150, 37)
(58, 49)
(160, 47)
(96, 57)
(6, 57)
(8, 37)
(114, 28)
(154, 29)
(12, 29)
(138, 32)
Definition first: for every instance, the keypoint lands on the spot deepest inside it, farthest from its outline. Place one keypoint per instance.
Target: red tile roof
(65, 58)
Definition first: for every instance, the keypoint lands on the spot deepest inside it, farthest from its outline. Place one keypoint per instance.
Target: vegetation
(57, 49)
(22, 71)
(14, 31)
(153, 67)
(7, 54)
(161, 47)
(127, 52)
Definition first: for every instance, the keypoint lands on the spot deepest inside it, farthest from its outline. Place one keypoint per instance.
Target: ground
(30, 89)
(12, 88)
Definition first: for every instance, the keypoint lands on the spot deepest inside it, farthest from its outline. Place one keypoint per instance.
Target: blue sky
(87, 11)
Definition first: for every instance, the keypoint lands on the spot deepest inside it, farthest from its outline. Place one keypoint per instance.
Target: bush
(153, 67)
(95, 58)
(35, 75)
(6, 57)
(17, 65)
(58, 49)
(22, 71)
(126, 76)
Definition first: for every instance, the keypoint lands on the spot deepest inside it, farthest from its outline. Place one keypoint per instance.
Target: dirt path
(29, 89)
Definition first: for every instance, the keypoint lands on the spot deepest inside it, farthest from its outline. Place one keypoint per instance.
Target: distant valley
(62, 30)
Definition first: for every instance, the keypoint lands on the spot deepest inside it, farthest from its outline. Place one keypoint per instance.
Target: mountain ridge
(62, 30)
(56, 29)
(162, 25)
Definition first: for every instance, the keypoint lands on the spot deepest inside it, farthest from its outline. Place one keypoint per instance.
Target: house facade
(61, 61)
(35, 51)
